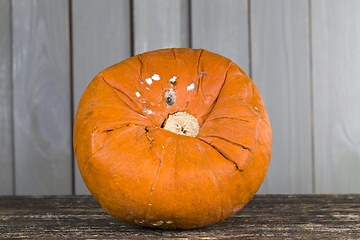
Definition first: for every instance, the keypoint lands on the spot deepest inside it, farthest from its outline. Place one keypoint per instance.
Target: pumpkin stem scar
(170, 97)
(182, 123)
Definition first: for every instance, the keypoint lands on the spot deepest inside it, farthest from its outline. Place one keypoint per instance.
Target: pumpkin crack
(236, 165)
(211, 107)
(147, 136)
(227, 140)
(114, 128)
(156, 156)
(217, 118)
(215, 179)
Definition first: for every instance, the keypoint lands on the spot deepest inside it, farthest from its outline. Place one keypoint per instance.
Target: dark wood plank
(265, 217)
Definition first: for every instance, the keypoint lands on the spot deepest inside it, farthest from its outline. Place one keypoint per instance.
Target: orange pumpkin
(173, 138)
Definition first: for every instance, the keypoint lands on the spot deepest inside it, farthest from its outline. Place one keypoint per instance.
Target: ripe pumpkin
(173, 138)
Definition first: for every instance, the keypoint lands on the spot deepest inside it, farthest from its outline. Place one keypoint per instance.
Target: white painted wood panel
(101, 37)
(41, 85)
(221, 26)
(6, 157)
(160, 24)
(280, 69)
(336, 77)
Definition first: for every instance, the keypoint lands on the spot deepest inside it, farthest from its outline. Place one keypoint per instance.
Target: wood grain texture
(221, 26)
(41, 81)
(280, 69)
(101, 37)
(265, 217)
(160, 24)
(336, 71)
(6, 138)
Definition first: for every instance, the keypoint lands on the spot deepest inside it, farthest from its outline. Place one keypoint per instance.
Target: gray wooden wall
(304, 56)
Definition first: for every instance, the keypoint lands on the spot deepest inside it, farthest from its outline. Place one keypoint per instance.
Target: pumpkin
(172, 138)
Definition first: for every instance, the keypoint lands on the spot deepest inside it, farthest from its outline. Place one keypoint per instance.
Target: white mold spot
(147, 88)
(140, 221)
(147, 111)
(137, 94)
(141, 82)
(157, 224)
(156, 77)
(148, 81)
(191, 87)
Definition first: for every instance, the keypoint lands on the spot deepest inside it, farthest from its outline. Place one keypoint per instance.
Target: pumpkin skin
(145, 175)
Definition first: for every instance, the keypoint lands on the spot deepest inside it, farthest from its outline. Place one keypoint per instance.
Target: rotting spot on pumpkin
(147, 111)
(170, 97)
(182, 123)
(172, 80)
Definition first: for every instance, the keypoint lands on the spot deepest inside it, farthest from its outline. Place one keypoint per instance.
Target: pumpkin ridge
(216, 181)
(141, 65)
(248, 105)
(116, 89)
(151, 141)
(211, 107)
(199, 79)
(200, 55)
(161, 160)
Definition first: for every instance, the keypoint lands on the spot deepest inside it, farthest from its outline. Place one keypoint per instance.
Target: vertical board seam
(190, 24)
(249, 38)
(72, 115)
(132, 25)
(311, 100)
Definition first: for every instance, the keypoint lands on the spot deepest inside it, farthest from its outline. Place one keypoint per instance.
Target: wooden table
(266, 216)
